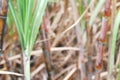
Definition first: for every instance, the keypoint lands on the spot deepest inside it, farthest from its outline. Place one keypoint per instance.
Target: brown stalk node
(107, 11)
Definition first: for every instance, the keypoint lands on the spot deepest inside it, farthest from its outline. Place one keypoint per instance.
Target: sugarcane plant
(27, 16)
(3, 17)
(46, 48)
(102, 37)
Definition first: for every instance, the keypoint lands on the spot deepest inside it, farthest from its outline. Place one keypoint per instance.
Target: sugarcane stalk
(81, 63)
(102, 37)
(26, 62)
(46, 49)
(89, 31)
(3, 17)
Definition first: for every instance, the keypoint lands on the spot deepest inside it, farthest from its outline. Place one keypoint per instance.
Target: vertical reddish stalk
(81, 62)
(102, 37)
(46, 49)
(3, 16)
(89, 42)
(105, 25)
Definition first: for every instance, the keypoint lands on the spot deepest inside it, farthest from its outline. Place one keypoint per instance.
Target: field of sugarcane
(59, 39)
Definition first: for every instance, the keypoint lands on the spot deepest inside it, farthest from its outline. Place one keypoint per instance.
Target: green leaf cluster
(27, 15)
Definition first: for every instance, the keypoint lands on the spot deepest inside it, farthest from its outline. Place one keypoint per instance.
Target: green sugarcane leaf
(114, 38)
(28, 20)
(40, 8)
(96, 11)
(17, 23)
(52, 0)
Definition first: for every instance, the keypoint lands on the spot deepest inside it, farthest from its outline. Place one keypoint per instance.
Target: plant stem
(89, 42)
(111, 56)
(46, 49)
(81, 64)
(26, 61)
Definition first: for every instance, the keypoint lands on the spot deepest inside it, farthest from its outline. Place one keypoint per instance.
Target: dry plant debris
(67, 47)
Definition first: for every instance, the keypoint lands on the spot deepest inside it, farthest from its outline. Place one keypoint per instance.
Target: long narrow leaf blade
(96, 11)
(114, 38)
(40, 8)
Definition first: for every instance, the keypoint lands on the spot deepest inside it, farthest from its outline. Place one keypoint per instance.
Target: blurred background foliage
(74, 55)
